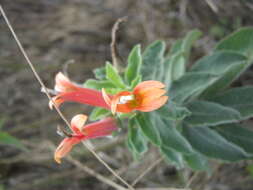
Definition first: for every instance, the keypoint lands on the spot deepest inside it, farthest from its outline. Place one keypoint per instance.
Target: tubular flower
(69, 91)
(82, 132)
(146, 96)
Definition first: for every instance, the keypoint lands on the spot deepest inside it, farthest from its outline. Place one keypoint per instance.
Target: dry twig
(146, 171)
(192, 178)
(211, 4)
(114, 51)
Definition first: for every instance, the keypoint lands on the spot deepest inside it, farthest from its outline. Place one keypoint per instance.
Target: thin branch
(93, 173)
(192, 178)
(107, 166)
(211, 4)
(48, 95)
(113, 42)
(146, 171)
(89, 170)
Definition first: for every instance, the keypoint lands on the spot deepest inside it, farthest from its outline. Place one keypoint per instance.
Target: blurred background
(55, 32)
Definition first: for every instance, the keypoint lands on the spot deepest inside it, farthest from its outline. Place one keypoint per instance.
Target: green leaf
(190, 85)
(176, 47)
(206, 113)
(211, 144)
(240, 41)
(190, 38)
(170, 136)
(240, 99)
(197, 161)
(98, 84)
(136, 81)
(237, 134)
(98, 113)
(137, 140)
(178, 57)
(100, 73)
(186, 43)
(7, 139)
(173, 111)
(226, 65)
(134, 64)
(219, 62)
(152, 68)
(148, 129)
(113, 76)
(130, 147)
(171, 156)
(174, 68)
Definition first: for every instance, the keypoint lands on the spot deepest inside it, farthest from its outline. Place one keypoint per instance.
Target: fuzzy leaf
(211, 144)
(98, 84)
(152, 68)
(171, 156)
(190, 38)
(206, 113)
(113, 76)
(174, 68)
(130, 147)
(138, 141)
(134, 64)
(197, 161)
(240, 41)
(173, 111)
(100, 73)
(170, 136)
(240, 99)
(218, 63)
(178, 57)
(237, 134)
(136, 81)
(176, 47)
(190, 85)
(98, 113)
(186, 43)
(226, 65)
(148, 129)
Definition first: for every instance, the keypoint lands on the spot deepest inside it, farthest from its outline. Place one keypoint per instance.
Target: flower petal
(83, 96)
(148, 95)
(114, 104)
(65, 147)
(106, 97)
(148, 84)
(78, 122)
(57, 101)
(63, 84)
(101, 128)
(157, 103)
(124, 108)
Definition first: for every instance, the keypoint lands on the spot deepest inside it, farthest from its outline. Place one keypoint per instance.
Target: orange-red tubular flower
(69, 91)
(146, 96)
(82, 132)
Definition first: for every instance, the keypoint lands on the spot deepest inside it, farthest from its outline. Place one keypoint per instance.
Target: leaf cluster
(202, 119)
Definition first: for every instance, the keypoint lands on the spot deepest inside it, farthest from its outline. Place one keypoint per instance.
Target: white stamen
(125, 99)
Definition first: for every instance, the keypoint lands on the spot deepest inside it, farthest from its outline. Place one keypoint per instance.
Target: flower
(82, 132)
(146, 96)
(69, 91)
